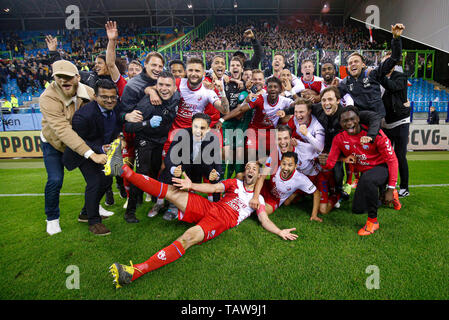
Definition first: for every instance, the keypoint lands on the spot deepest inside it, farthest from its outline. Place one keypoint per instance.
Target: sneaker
(396, 204)
(109, 200)
(354, 184)
(369, 228)
(337, 204)
(171, 214)
(115, 160)
(53, 227)
(104, 213)
(99, 229)
(122, 274)
(155, 210)
(148, 197)
(403, 193)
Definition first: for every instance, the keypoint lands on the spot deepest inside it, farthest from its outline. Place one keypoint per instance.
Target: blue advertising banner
(21, 122)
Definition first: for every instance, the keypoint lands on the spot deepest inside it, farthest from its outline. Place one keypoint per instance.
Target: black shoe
(131, 218)
(122, 190)
(109, 201)
(83, 217)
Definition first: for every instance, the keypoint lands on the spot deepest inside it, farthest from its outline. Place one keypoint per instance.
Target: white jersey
(265, 115)
(235, 201)
(310, 146)
(282, 189)
(299, 84)
(192, 101)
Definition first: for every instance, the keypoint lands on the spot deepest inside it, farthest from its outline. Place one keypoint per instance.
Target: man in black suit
(98, 124)
(195, 151)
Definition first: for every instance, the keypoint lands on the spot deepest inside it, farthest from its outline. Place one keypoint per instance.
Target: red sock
(144, 183)
(373, 220)
(161, 258)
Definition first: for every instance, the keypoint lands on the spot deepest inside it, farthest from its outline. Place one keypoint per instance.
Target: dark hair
(176, 61)
(328, 62)
(331, 88)
(200, 115)
(347, 109)
(136, 62)
(290, 154)
(193, 60)
(283, 127)
(279, 54)
(167, 74)
(274, 79)
(104, 84)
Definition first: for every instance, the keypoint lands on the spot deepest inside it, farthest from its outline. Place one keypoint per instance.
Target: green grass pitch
(328, 261)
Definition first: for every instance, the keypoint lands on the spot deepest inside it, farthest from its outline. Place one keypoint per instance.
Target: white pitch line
(81, 194)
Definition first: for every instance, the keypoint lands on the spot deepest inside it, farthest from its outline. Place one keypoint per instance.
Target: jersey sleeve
(229, 184)
(212, 96)
(386, 150)
(120, 83)
(258, 103)
(334, 153)
(304, 184)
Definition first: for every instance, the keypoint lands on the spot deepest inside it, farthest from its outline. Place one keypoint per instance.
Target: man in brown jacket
(58, 103)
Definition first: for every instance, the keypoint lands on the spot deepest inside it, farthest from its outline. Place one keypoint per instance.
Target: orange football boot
(369, 228)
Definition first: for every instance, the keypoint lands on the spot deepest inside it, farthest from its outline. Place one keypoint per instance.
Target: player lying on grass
(376, 161)
(211, 218)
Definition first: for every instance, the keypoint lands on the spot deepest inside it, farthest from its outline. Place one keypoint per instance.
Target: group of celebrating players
(253, 142)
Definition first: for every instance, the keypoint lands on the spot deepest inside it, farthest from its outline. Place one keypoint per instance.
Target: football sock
(144, 183)
(159, 259)
(373, 220)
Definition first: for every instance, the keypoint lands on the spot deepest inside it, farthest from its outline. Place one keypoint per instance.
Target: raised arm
(112, 32)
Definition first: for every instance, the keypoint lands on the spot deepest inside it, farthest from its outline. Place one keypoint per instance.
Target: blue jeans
(55, 177)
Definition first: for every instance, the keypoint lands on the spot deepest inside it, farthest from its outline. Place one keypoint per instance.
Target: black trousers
(399, 139)
(148, 162)
(96, 185)
(196, 173)
(339, 175)
(366, 196)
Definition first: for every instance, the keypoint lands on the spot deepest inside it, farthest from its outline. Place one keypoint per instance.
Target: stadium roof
(33, 12)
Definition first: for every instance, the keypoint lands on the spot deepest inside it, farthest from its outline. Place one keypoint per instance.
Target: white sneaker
(403, 193)
(126, 204)
(53, 227)
(104, 212)
(148, 198)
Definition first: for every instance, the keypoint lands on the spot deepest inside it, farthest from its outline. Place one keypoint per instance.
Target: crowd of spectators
(303, 33)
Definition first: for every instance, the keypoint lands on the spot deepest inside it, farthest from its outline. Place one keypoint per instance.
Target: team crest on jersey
(346, 147)
(365, 146)
(161, 255)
